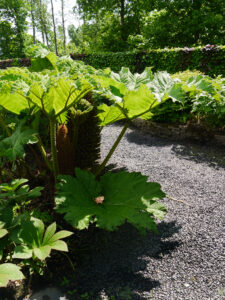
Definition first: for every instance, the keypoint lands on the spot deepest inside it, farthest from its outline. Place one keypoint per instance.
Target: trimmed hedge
(16, 62)
(209, 60)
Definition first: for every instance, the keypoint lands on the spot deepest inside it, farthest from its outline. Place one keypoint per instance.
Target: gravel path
(186, 260)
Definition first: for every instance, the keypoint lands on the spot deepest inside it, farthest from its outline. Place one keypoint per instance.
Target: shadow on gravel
(211, 154)
(144, 138)
(116, 262)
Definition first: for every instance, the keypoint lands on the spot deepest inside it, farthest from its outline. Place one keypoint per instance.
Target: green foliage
(22, 236)
(17, 192)
(118, 24)
(183, 96)
(185, 75)
(137, 95)
(207, 60)
(33, 241)
(85, 200)
(42, 59)
(134, 104)
(187, 21)
(13, 147)
(12, 36)
(203, 98)
(59, 97)
(172, 112)
(8, 272)
(132, 81)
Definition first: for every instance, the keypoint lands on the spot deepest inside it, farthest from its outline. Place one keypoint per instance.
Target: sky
(70, 18)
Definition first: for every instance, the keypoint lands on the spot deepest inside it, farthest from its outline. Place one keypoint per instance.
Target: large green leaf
(116, 198)
(176, 93)
(9, 272)
(109, 114)
(137, 102)
(201, 82)
(134, 104)
(43, 59)
(132, 81)
(13, 146)
(136, 95)
(13, 102)
(164, 87)
(33, 240)
(59, 96)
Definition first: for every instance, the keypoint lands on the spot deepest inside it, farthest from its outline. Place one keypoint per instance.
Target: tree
(6, 42)
(89, 9)
(54, 28)
(181, 23)
(159, 24)
(32, 12)
(43, 20)
(63, 25)
(129, 16)
(15, 12)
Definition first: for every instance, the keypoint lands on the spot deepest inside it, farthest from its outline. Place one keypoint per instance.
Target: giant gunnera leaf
(134, 104)
(111, 201)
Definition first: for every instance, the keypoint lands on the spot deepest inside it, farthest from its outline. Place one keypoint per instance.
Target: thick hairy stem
(101, 167)
(55, 165)
(43, 153)
(75, 122)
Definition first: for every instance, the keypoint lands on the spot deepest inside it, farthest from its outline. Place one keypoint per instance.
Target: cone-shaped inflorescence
(78, 142)
(65, 151)
(86, 134)
(87, 152)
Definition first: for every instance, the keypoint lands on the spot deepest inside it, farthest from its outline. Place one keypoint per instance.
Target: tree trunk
(41, 21)
(33, 20)
(122, 12)
(54, 28)
(137, 9)
(63, 26)
(19, 32)
(46, 35)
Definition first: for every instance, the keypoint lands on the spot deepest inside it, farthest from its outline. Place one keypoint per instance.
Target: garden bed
(179, 132)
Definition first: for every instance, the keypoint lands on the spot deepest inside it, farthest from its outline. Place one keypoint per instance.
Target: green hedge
(209, 60)
(16, 62)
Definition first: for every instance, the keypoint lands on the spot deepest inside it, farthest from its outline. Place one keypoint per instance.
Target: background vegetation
(109, 25)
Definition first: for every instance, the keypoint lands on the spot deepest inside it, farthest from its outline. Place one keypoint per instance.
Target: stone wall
(189, 131)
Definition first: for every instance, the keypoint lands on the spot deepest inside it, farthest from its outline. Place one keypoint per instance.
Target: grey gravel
(186, 260)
